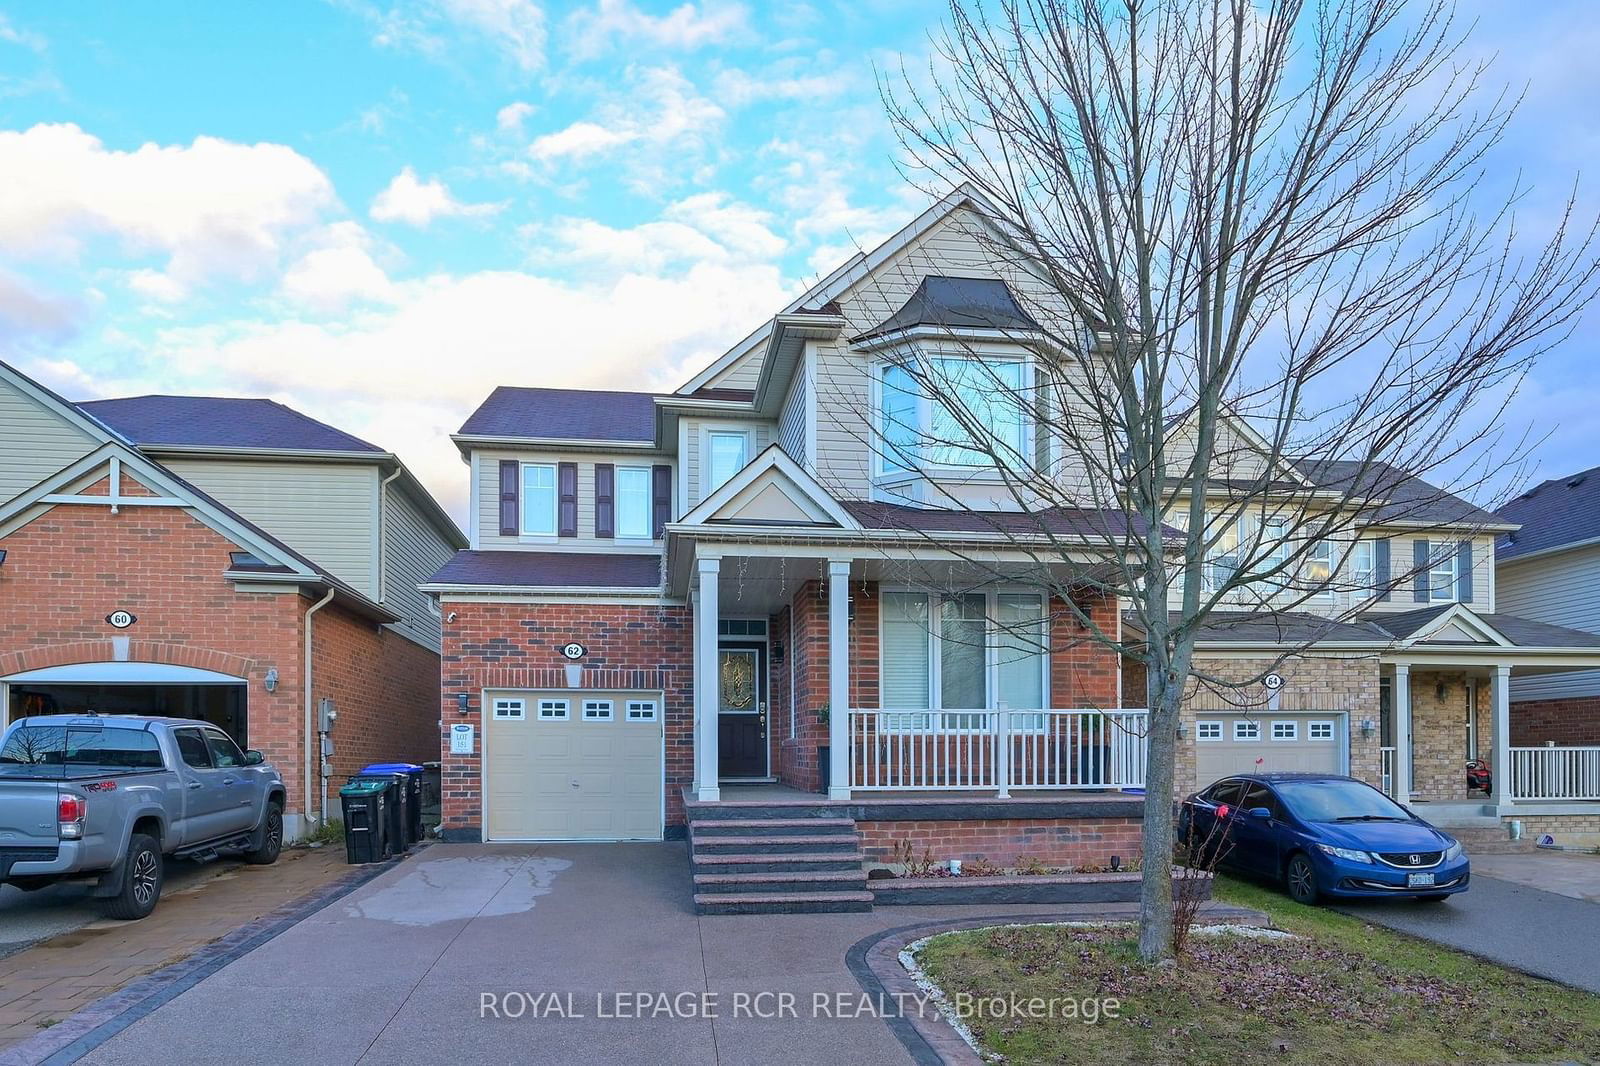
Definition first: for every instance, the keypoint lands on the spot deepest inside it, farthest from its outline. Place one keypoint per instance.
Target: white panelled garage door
(573, 765)
(1267, 742)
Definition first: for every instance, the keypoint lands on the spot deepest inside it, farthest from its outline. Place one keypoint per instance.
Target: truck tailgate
(28, 830)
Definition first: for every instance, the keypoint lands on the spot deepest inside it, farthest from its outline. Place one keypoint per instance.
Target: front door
(741, 711)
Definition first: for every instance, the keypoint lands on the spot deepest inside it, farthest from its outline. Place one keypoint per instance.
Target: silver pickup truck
(108, 798)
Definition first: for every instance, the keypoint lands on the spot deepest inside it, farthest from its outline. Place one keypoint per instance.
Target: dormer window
(928, 410)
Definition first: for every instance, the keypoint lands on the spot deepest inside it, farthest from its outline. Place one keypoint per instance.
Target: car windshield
(51, 751)
(1339, 801)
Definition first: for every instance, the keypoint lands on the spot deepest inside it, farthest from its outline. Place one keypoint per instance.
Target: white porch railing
(1386, 759)
(1555, 773)
(938, 750)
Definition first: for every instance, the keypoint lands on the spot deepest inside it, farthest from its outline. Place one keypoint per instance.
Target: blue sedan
(1322, 836)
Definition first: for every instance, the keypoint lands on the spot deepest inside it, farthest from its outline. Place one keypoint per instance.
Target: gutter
(383, 532)
(310, 720)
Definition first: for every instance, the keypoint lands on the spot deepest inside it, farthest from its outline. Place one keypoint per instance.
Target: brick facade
(1567, 722)
(517, 646)
(1007, 841)
(1439, 735)
(74, 564)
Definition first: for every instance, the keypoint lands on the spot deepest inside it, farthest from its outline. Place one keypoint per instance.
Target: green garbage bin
(366, 820)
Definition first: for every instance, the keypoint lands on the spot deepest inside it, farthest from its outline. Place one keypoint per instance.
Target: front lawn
(1341, 992)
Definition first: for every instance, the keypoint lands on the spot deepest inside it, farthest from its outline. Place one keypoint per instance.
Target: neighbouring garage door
(1267, 742)
(571, 765)
(132, 688)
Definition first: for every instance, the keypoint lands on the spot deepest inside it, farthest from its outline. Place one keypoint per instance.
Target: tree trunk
(1155, 892)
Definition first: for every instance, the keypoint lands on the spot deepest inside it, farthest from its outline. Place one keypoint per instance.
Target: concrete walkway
(567, 937)
(1548, 934)
(1565, 873)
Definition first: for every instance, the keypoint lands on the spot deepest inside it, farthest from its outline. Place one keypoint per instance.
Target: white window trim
(1246, 729)
(562, 706)
(1200, 732)
(1363, 579)
(1320, 723)
(1324, 591)
(924, 427)
(1290, 728)
(604, 710)
(616, 503)
(1450, 561)
(642, 710)
(713, 430)
(522, 501)
(519, 706)
(991, 665)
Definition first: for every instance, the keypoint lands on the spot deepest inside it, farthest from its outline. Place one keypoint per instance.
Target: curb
(93, 1025)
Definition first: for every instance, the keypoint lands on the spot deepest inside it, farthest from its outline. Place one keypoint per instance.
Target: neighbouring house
(225, 559)
(677, 605)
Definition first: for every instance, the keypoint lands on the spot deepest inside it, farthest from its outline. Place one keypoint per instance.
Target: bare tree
(1261, 297)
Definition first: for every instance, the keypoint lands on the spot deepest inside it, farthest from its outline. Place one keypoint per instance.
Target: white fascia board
(1458, 613)
(771, 458)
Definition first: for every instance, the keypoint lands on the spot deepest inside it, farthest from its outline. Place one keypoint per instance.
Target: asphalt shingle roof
(564, 414)
(1554, 513)
(551, 570)
(221, 422)
(1059, 521)
(1407, 498)
(1280, 627)
(953, 303)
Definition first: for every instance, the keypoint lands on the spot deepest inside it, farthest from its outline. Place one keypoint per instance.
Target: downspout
(311, 724)
(383, 533)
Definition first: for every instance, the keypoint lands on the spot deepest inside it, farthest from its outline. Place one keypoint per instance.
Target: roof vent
(1575, 482)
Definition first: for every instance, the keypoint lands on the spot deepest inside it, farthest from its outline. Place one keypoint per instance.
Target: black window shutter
(660, 498)
(1464, 571)
(510, 476)
(605, 507)
(567, 480)
(1381, 568)
(1421, 562)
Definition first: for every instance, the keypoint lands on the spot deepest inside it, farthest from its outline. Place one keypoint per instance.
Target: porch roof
(1056, 521)
(1519, 632)
(1277, 628)
(557, 570)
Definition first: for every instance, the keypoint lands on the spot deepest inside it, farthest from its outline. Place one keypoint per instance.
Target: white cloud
(658, 107)
(578, 141)
(511, 117)
(214, 207)
(591, 33)
(738, 88)
(9, 34)
(26, 314)
(417, 203)
(703, 229)
(154, 285)
(515, 28)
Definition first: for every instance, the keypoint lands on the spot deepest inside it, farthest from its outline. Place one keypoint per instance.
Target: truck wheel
(142, 874)
(271, 839)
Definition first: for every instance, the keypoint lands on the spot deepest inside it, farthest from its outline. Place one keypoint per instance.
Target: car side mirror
(1260, 812)
(254, 758)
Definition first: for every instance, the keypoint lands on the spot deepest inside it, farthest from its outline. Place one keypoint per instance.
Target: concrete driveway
(1553, 934)
(398, 972)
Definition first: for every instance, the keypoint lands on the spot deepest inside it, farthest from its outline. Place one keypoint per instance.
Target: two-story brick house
(673, 599)
(219, 558)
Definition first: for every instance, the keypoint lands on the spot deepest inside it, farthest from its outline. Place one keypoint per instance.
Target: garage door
(1237, 744)
(573, 766)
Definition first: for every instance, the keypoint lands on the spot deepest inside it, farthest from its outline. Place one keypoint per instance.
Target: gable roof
(221, 422)
(564, 414)
(793, 496)
(958, 303)
(1559, 513)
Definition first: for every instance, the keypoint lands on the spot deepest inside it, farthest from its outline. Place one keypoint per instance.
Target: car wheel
(271, 839)
(1301, 879)
(143, 872)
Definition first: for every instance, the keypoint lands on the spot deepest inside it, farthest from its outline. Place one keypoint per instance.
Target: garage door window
(510, 710)
(641, 710)
(1208, 731)
(597, 710)
(554, 710)
(1321, 730)
(1246, 730)
(1285, 730)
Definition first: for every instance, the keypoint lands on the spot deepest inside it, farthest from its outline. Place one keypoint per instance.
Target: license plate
(1419, 880)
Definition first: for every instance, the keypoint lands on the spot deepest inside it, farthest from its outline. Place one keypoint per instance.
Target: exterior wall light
(1183, 730)
(463, 702)
(270, 682)
(1367, 728)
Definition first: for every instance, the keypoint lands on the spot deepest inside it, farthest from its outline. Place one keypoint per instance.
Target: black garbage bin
(366, 820)
(432, 793)
(406, 818)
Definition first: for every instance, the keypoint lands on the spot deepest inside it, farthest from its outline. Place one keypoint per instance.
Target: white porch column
(839, 679)
(1402, 733)
(1500, 760)
(705, 682)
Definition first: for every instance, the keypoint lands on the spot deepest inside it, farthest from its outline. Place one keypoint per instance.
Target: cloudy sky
(376, 211)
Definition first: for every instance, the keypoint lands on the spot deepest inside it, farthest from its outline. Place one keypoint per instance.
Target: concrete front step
(778, 903)
(742, 864)
(772, 845)
(772, 827)
(824, 881)
(716, 812)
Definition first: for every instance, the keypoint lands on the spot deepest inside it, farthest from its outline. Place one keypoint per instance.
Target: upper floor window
(1442, 573)
(633, 501)
(1363, 567)
(727, 453)
(539, 499)
(1319, 569)
(929, 415)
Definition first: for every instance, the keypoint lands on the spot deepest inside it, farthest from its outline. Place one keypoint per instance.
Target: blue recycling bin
(406, 808)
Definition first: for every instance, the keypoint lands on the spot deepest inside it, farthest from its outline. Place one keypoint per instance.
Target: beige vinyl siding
(486, 466)
(843, 403)
(694, 461)
(1562, 589)
(35, 442)
(327, 512)
(792, 420)
(743, 374)
(414, 550)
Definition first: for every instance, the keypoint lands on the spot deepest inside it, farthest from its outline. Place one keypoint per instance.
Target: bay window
(539, 499)
(633, 501)
(925, 416)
